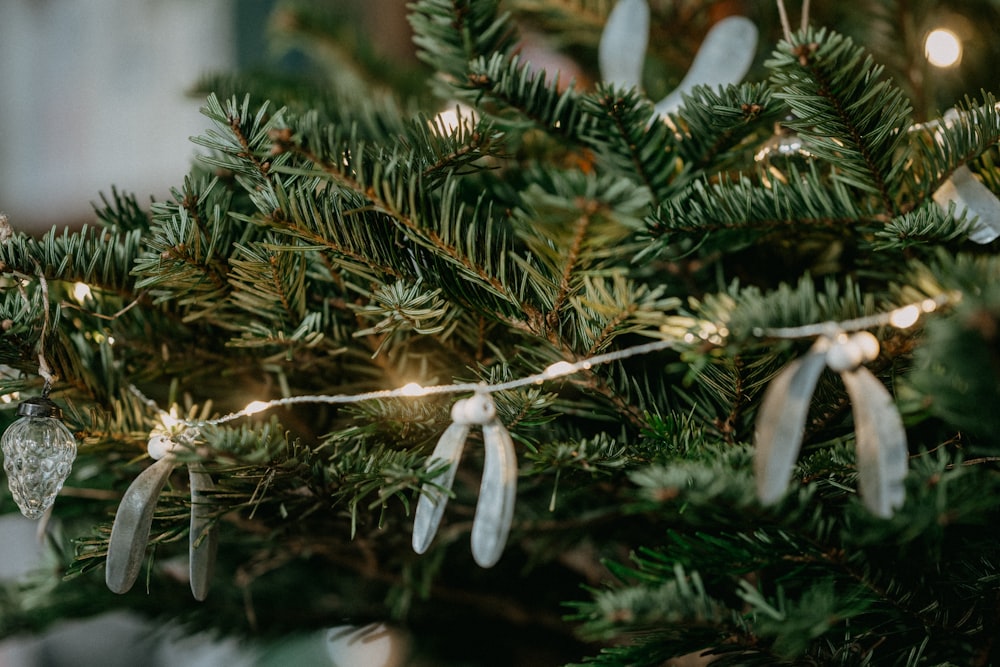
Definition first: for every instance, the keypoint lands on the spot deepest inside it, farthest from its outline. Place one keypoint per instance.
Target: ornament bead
(477, 409)
(868, 343)
(159, 445)
(844, 355)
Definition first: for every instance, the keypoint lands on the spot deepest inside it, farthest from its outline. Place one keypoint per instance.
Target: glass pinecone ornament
(38, 453)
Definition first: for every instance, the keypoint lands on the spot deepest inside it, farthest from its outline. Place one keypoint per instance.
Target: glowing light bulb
(448, 120)
(558, 369)
(905, 317)
(412, 389)
(942, 48)
(81, 292)
(254, 407)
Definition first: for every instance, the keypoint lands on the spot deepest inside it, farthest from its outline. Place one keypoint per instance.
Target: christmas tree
(568, 377)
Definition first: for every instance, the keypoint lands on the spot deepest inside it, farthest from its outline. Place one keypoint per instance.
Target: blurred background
(102, 93)
(95, 94)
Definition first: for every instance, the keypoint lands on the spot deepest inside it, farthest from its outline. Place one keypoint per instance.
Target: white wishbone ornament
(134, 518)
(724, 57)
(497, 491)
(880, 440)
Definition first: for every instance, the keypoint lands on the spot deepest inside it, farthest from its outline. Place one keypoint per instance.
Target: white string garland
(901, 318)
(412, 389)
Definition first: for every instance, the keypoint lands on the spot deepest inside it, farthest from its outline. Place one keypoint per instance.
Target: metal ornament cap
(39, 406)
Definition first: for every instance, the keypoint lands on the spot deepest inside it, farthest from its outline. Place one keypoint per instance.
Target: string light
(942, 48)
(559, 369)
(412, 389)
(81, 292)
(902, 317)
(254, 407)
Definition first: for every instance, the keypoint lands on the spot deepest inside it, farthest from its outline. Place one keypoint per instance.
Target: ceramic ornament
(130, 531)
(880, 439)
(724, 58)
(134, 518)
(622, 49)
(203, 534)
(497, 491)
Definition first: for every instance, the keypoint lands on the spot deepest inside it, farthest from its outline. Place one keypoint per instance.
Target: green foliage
(451, 33)
(846, 112)
(625, 137)
(714, 125)
(966, 337)
(337, 237)
(521, 97)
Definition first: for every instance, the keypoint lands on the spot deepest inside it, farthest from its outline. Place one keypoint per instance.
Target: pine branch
(845, 112)
(744, 310)
(712, 126)
(520, 95)
(457, 246)
(373, 116)
(450, 34)
(122, 212)
(927, 226)
(184, 259)
(732, 206)
(941, 146)
(568, 222)
(674, 616)
(627, 138)
(93, 255)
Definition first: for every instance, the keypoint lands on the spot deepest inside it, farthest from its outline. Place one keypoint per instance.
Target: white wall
(93, 94)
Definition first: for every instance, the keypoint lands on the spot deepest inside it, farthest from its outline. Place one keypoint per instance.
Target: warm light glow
(942, 48)
(412, 389)
(169, 419)
(81, 292)
(558, 369)
(255, 407)
(448, 119)
(904, 317)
